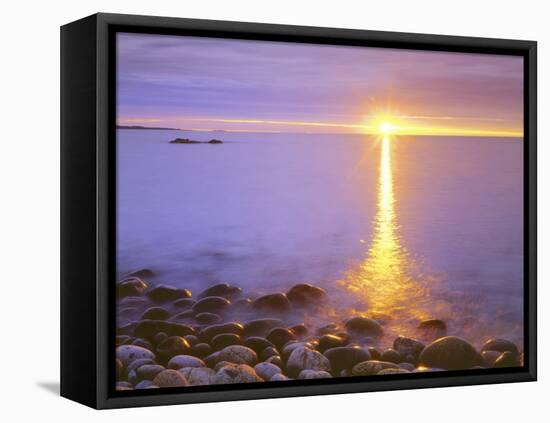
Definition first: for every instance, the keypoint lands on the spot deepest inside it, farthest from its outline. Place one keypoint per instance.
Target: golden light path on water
(385, 278)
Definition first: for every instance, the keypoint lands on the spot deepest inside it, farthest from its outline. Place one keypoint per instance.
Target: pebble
(363, 326)
(303, 358)
(180, 361)
(147, 371)
(211, 305)
(299, 330)
(391, 371)
(128, 353)
(267, 352)
(280, 336)
(267, 370)
(130, 287)
(507, 359)
(408, 347)
(198, 376)
(170, 378)
(258, 344)
(305, 294)
(489, 357)
(342, 358)
(432, 329)
(451, 353)
(392, 356)
(201, 350)
(140, 342)
(276, 360)
(155, 313)
(149, 328)
(224, 340)
(237, 354)
(314, 374)
(500, 345)
(279, 377)
(330, 341)
(138, 363)
(172, 346)
(276, 303)
(207, 318)
(184, 303)
(372, 367)
(144, 384)
(232, 327)
(221, 290)
(236, 373)
(261, 327)
(164, 293)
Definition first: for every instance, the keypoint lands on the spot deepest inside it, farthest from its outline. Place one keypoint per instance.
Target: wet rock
(372, 367)
(169, 379)
(213, 330)
(156, 313)
(144, 384)
(172, 346)
(407, 366)
(268, 352)
(207, 318)
(489, 357)
(408, 347)
(266, 370)
(342, 358)
(236, 373)
(279, 377)
(221, 290)
(198, 376)
(164, 293)
(305, 294)
(392, 371)
(128, 353)
(134, 365)
(374, 353)
(302, 358)
(331, 328)
(140, 342)
(180, 361)
(184, 303)
(141, 274)
(500, 345)
(330, 341)
(183, 317)
(236, 354)
(451, 353)
(224, 340)
(130, 287)
(149, 328)
(192, 339)
(159, 337)
(146, 372)
(432, 329)
(276, 360)
(299, 330)
(211, 305)
(291, 346)
(507, 359)
(363, 326)
(201, 350)
(280, 336)
(258, 344)
(392, 356)
(135, 302)
(261, 327)
(272, 303)
(314, 374)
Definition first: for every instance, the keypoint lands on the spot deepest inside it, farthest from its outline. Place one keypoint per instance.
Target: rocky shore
(168, 337)
(190, 141)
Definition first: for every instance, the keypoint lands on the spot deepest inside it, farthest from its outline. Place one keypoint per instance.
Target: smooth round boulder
(363, 326)
(180, 361)
(374, 353)
(299, 330)
(277, 360)
(342, 358)
(128, 353)
(236, 354)
(330, 341)
(144, 384)
(184, 303)
(236, 373)
(489, 358)
(130, 287)
(331, 328)
(280, 336)
(408, 347)
(232, 327)
(211, 305)
(450, 353)
(501, 345)
(303, 358)
(198, 376)
(507, 359)
(392, 356)
(272, 303)
(164, 293)
(261, 327)
(201, 350)
(145, 372)
(123, 340)
(136, 364)
(155, 313)
(279, 377)
(372, 367)
(258, 344)
(432, 329)
(207, 318)
(140, 342)
(223, 340)
(221, 290)
(170, 379)
(172, 346)
(267, 370)
(306, 295)
(268, 352)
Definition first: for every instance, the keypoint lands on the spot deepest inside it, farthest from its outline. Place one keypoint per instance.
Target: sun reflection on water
(385, 279)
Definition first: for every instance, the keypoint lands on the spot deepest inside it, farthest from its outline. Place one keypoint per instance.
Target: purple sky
(206, 83)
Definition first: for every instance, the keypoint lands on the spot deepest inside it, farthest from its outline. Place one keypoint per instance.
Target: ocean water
(403, 228)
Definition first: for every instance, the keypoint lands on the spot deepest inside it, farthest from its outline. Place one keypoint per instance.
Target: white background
(29, 236)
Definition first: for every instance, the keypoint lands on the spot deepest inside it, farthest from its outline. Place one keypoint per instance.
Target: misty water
(405, 228)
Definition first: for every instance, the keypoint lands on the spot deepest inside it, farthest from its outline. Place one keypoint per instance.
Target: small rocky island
(190, 141)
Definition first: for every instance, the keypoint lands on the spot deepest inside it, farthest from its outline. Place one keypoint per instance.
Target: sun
(386, 128)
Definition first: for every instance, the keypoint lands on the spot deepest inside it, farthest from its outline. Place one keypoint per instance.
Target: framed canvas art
(255, 211)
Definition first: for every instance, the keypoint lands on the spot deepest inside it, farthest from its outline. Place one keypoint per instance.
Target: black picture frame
(88, 205)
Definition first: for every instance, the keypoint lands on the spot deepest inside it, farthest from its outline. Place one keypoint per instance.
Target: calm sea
(403, 227)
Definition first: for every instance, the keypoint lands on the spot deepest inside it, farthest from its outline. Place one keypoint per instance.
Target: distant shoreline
(145, 127)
